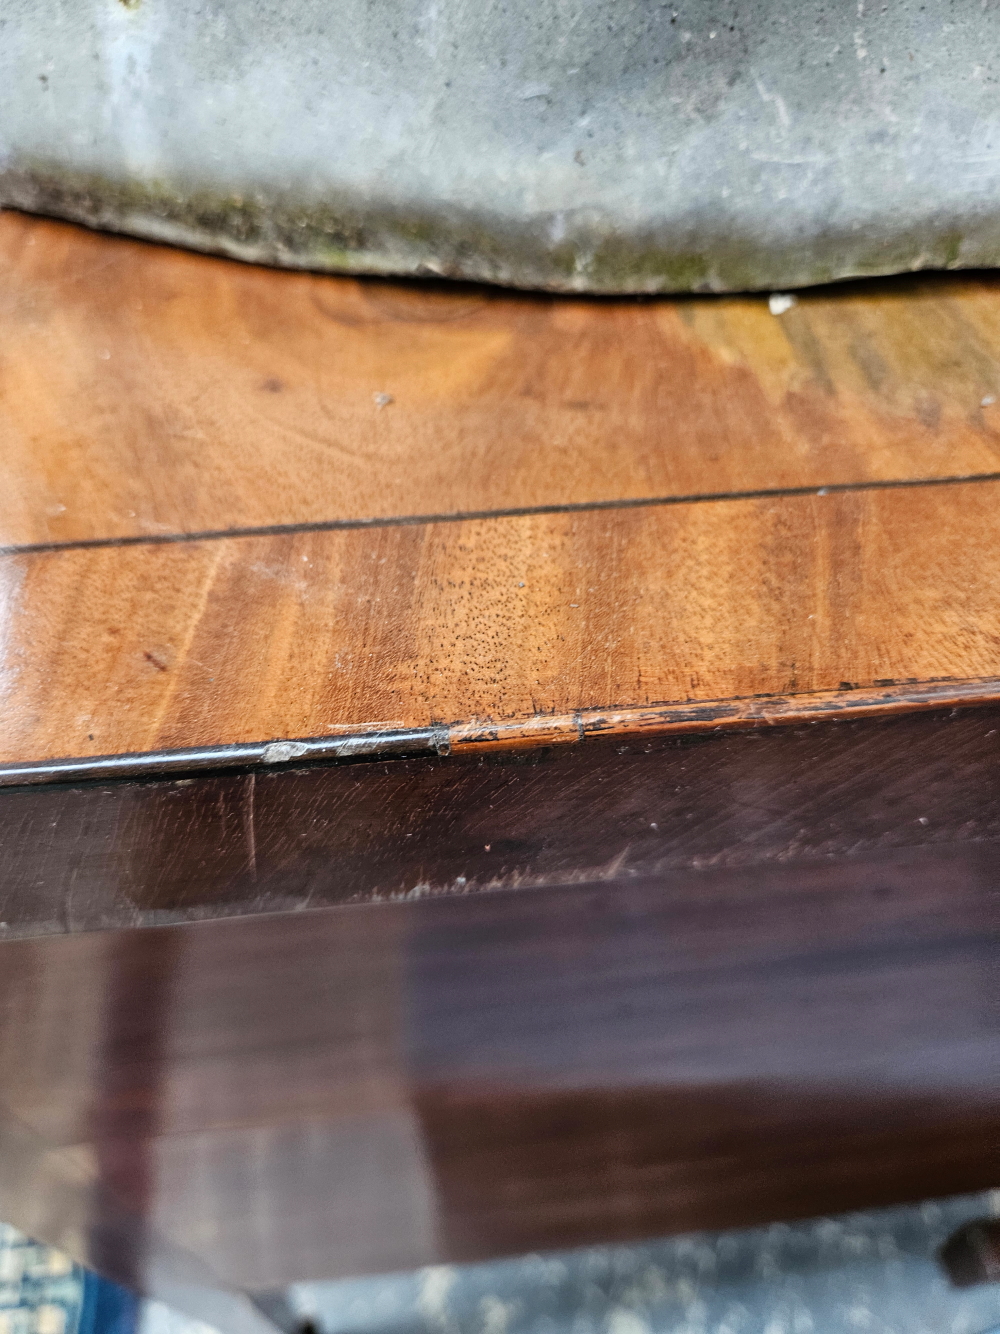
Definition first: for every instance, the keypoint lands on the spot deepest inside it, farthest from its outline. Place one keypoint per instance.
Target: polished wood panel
(305, 634)
(732, 976)
(137, 853)
(384, 1085)
(145, 390)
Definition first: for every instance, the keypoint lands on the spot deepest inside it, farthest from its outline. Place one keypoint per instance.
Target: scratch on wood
(248, 824)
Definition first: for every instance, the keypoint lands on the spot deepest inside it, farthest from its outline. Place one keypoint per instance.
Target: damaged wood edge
(848, 702)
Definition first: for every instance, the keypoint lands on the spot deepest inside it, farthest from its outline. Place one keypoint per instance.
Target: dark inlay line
(442, 739)
(515, 512)
(236, 755)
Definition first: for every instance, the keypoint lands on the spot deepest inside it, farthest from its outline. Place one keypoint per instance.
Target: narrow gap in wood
(464, 516)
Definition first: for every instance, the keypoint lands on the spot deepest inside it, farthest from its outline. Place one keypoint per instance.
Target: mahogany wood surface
(310, 634)
(144, 390)
(386, 1085)
(101, 855)
(596, 992)
(676, 976)
(147, 394)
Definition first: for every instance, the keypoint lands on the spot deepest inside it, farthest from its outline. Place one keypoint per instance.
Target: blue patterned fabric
(42, 1292)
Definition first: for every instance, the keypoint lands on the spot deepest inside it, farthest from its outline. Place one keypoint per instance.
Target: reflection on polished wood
(675, 976)
(552, 1029)
(384, 1086)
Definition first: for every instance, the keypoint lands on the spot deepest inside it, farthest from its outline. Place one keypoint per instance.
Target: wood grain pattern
(209, 642)
(386, 1085)
(627, 1044)
(145, 390)
(99, 856)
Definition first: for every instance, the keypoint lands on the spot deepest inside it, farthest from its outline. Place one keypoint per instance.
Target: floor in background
(866, 1273)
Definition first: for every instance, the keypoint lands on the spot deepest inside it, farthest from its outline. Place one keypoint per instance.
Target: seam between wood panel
(849, 702)
(469, 516)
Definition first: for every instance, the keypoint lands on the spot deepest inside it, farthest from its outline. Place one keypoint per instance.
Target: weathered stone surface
(580, 145)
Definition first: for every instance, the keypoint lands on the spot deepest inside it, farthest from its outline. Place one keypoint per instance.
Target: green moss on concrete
(341, 236)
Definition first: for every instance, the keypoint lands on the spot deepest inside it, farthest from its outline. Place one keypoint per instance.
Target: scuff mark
(381, 722)
(248, 825)
(280, 751)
